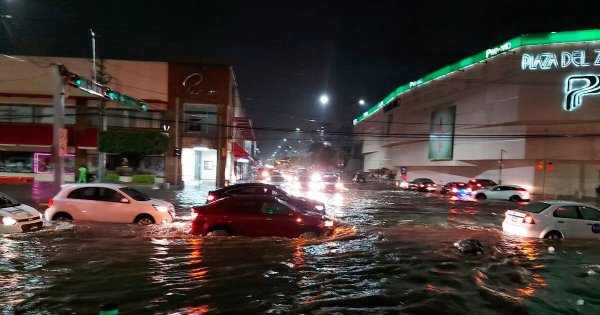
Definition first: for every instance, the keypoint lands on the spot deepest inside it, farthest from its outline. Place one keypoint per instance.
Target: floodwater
(393, 254)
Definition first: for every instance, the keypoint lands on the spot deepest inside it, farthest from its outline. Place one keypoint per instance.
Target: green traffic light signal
(79, 81)
(142, 106)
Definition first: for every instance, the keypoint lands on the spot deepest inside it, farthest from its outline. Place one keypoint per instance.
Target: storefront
(524, 112)
(192, 103)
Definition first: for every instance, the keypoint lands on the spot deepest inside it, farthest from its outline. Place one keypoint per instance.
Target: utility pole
(500, 168)
(104, 125)
(59, 118)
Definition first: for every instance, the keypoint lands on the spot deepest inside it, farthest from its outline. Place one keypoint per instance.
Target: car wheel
(480, 196)
(144, 219)
(514, 198)
(311, 234)
(553, 235)
(219, 231)
(62, 216)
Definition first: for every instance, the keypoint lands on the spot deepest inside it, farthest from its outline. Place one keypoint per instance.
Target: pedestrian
(82, 174)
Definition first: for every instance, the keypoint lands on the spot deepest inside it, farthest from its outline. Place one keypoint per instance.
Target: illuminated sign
(497, 50)
(413, 84)
(578, 86)
(550, 60)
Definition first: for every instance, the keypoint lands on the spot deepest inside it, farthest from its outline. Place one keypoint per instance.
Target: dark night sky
(286, 53)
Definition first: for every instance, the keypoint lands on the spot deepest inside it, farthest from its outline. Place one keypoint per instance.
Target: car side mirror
(124, 200)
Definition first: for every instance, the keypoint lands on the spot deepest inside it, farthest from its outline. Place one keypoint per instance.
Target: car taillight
(421, 185)
(528, 219)
(299, 220)
(50, 202)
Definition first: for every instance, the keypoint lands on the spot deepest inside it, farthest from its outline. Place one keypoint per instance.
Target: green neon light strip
(515, 43)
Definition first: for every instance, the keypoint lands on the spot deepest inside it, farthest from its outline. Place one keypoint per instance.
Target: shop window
(16, 162)
(201, 118)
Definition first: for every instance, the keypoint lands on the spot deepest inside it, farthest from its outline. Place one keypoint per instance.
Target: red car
(257, 215)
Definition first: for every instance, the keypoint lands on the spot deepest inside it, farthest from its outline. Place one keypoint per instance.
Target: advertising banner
(441, 137)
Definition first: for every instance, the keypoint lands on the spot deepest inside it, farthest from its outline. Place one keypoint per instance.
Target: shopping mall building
(524, 112)
(197, 105)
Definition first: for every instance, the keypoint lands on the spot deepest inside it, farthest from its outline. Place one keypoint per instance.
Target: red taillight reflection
(528, 219)
(50, 202)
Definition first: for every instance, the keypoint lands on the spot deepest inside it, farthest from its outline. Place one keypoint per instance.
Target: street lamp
(361, 102)
(324, 99)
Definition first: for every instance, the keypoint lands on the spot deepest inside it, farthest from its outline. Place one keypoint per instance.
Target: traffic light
(177, 151)
(141, 105)
(549, 166)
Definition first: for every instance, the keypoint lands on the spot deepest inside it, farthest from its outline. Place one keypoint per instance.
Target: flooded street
(393, 254)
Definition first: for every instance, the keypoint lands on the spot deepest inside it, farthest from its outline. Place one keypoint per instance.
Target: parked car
(478, 183)
(359, 178)
(257, 215)
(456, 189)
(422, 184)
(268, 190)
(112, 203)
(16, 217)
(554, 220)
(503, 192)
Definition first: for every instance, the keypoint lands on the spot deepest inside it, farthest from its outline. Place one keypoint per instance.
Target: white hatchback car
(502, 192)
(16, 217)
(111, 203)
(554, 220)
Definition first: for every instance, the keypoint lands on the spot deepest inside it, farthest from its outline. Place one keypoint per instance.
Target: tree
(133, 145)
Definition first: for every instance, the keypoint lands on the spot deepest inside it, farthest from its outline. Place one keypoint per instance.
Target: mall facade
(197, 105)
(526, 112)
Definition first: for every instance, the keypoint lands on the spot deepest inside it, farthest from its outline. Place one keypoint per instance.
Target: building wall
(500, 108)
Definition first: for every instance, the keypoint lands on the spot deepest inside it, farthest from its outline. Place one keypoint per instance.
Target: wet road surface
(393, 255)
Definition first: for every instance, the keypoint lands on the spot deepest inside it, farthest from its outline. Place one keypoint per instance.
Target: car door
(566, 220)
(282, 221)
(505, 192)
(80, 203)
(494, 192)
(246, 217)
(109, 208)
(589, 225)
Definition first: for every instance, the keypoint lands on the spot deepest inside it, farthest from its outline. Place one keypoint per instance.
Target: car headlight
(319, 207)
(8, 221)
(328, 223)
(161, 208)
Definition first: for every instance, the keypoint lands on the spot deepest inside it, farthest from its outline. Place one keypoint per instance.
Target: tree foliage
(134, 145)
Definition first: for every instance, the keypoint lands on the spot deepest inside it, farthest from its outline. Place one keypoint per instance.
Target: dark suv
(268, 190)
(422, 184)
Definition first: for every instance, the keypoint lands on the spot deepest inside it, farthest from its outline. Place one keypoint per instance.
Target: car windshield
(7, 201)
(134, 194)
(535, 207)
(330, 179)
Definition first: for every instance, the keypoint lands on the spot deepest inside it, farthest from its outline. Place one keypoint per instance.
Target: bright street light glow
(324, 99)
(297, 129)
(284, 139)
(361, 102)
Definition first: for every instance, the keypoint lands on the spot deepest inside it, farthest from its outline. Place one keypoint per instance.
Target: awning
(239, 152)
(243, 126)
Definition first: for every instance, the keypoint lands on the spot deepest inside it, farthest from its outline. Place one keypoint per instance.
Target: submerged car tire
(62, 216)
(144, 219)
(515, 198)
(219, 231)
(553, 235)
(480, 196)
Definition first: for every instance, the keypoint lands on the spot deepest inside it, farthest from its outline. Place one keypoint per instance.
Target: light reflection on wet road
(393, 255)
